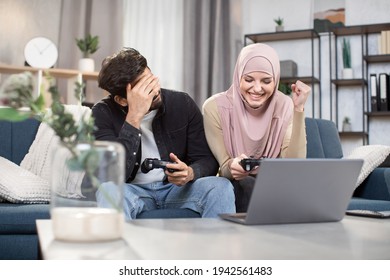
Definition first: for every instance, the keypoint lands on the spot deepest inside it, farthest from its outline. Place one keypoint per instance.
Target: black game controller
(152, 163)
(249, 163)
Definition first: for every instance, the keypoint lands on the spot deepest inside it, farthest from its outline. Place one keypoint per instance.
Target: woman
(252, 119)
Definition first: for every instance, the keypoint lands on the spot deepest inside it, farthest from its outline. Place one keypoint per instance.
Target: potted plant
(346, 50)
(88, 46)
(285, 88)
(347, 124)
(279, 24)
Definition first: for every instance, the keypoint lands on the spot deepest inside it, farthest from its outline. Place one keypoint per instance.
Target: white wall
(20, 20)
(359, 12)
(258, 15)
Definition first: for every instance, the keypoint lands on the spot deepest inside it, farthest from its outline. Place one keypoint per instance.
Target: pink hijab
(255, 132)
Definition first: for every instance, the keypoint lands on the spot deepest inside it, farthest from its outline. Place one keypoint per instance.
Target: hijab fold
(255, 132)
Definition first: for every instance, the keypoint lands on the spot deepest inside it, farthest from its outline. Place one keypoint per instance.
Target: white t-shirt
(149, 150)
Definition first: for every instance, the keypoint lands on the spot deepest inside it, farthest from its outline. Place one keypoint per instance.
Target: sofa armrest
(376, 185)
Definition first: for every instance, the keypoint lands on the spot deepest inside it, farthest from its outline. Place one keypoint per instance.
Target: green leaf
(13, 115)
(346, 49)
(40, 103)
(79, 91)
(92, 161)
(88, 45)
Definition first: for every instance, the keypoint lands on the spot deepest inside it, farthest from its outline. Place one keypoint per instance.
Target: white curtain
(187, 43)
(155, 29)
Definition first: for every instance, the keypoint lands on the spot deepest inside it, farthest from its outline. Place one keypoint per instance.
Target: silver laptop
(300, 191)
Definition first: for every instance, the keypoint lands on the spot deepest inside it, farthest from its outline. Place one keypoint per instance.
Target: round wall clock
(41, 52)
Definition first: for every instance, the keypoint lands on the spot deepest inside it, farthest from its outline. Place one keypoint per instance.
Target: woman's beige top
(293, 145)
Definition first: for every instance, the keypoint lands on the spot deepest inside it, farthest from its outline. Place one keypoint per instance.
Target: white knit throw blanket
(39, 158)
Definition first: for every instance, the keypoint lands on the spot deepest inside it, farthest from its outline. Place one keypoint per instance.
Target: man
(153, 122)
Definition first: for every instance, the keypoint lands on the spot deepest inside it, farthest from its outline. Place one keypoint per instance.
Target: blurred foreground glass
(87, 203)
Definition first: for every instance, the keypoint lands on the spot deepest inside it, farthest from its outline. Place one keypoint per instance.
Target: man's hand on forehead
(147, 81)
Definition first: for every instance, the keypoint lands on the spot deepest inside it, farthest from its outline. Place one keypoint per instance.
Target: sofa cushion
(386, 163)
(16, 138)
(6, 140)
(39, 158)
(376, 186)
(18, 185)
(322, 139)
(373, 156)
(20, 218)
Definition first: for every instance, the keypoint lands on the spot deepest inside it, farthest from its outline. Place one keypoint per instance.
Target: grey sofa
(18, 235)
(323, 142)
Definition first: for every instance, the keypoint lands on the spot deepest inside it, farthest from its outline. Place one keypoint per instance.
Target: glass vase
(87, 192)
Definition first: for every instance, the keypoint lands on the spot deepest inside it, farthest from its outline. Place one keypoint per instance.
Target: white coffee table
(202, 239)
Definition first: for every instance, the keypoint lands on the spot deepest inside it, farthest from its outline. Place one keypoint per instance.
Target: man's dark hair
(120, 69)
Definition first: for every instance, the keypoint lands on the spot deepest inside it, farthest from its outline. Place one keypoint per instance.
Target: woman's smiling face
(256, 88)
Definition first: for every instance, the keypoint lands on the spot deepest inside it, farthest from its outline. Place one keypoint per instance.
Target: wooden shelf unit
(70, 75)
(363, 31)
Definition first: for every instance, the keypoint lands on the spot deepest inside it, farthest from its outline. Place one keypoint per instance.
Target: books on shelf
(379, 92)
(384, 42)
(384, 92)
(374, 93)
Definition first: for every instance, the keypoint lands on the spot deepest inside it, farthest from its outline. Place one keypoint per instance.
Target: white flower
(17, 89)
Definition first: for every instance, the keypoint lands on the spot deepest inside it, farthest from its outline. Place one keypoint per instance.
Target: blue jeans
(208, 196)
